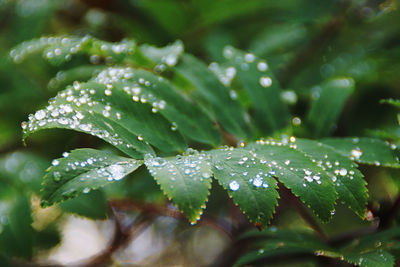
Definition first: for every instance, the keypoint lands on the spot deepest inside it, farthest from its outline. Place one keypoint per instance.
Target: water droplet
(116, 171)
(343, 172)
(249, 57)
(140, 137)
(265, 81)
(262, 66)
(356, 153)
(206, 175)
(233, 94)
(234, 186)
(174, 126)
(107, 92)
(55, 162)
(289, 97)
(296, 121)
(57, 176)
(86, 190)
(40, 114)
(258, 181)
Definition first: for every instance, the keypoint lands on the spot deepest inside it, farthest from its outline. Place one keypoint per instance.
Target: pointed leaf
(371, 259)
(168, 55)
(227, 110)
(328, 102)
(391, 101)
(60, 49)
(103, 108)
(366, 150)
(67, 77)
(184, 179)
(348, 181)
(184, 115)
(81, 171)
(274, 242)
(276, 38)
(271, 112)
(300, 174)
(248, 181)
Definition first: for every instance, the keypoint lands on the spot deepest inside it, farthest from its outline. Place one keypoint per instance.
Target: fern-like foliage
(156, 104)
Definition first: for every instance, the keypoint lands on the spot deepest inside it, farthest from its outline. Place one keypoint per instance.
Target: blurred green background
(305, 43)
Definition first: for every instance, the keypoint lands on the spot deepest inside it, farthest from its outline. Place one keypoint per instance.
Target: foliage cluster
(292, 116)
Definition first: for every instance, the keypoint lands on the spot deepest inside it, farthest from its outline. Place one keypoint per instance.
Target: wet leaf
(184, 179)
(183, 114)
(227, 111)
(248, 181)
(348, 181)
(366, 150)
(81, 171)
(271, 113)
(371, 259)
(104, 107)
(310, 182)
(60, 49)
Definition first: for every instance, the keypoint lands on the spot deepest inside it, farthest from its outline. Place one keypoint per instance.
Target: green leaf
(104, 107)
(248, 181)
(170, 14)
(67, 77)
(184, 179)
(271, 113)
(81, 171)
(328, 102)
(168, 55)
(277, 38)
(92, 205)
(310, 182)
(371, 259)
(60, 49)
(22, 170)
(366, 150)
(379, 240)
(226, 110)
(391, 101)
(273, 242)
(183, 114)
(16, 233)
(348, 181)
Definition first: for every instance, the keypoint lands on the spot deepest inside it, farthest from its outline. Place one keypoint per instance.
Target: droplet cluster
(60, 49)
(193, 165)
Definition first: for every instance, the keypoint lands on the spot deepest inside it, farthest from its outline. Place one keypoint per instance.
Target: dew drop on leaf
(265, 81)
(234, 186)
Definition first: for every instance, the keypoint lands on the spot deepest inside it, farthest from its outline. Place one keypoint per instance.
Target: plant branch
(122, 235)
(163, 210)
